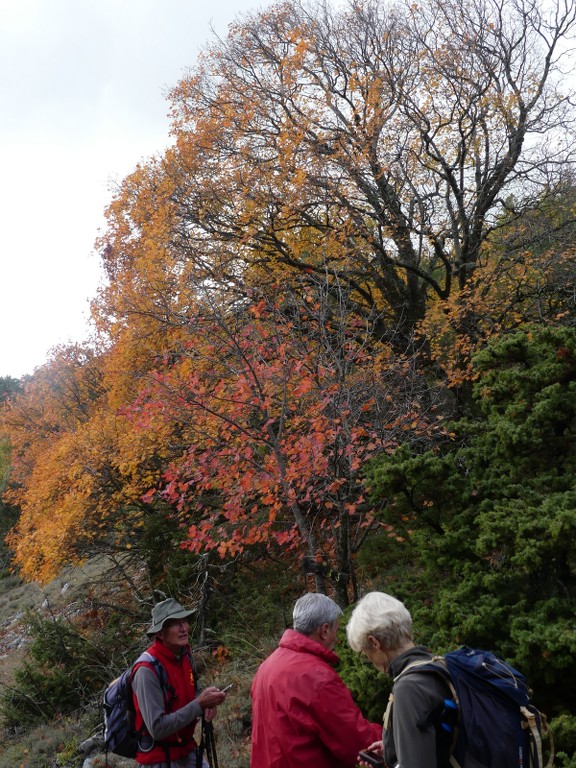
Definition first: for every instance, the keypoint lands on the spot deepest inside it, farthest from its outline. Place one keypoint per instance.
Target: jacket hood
(296, 641)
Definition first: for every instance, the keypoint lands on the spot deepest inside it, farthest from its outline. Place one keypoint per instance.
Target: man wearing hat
(167, 719)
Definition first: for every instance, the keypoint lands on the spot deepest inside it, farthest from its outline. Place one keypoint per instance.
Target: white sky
(82, 101)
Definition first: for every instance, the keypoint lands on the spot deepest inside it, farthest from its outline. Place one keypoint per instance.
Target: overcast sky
(82, 101)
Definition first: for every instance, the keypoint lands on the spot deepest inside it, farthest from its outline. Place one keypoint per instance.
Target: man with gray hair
(303, 716)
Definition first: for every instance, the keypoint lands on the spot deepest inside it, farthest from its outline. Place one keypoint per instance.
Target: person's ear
(375, 644)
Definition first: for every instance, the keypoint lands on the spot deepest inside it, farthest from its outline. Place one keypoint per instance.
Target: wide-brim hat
(167, 609)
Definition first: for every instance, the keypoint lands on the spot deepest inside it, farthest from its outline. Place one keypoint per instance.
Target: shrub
(563, 730)
(60, 672)
(47, 682)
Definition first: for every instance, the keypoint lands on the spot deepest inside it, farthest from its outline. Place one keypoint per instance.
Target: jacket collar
(296, 641)
(160, 651)
(418, 653)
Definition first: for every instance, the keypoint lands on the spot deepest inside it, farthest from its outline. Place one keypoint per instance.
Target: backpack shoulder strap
(146, 659)
(435, 665)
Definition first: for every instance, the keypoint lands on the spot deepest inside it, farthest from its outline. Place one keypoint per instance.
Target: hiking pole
(210, 743)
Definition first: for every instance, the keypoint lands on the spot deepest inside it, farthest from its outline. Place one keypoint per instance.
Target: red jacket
(180, 742)
(303, 716)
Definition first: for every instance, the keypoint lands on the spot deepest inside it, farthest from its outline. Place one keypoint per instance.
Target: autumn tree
(8, 387)
(373, 150)
(278, 402)
(385, 139)
(78, 472)
(38, 423)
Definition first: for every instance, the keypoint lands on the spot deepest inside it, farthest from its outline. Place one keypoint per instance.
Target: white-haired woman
(380, 627)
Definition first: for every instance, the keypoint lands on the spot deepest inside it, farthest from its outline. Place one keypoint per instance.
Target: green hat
(167, 609)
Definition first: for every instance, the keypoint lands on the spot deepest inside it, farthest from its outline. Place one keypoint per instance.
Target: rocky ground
(63, 595)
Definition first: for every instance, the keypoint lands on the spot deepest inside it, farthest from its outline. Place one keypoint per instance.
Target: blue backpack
(490, 717)
(120, 736)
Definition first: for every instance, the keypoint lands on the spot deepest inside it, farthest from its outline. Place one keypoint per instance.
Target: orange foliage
(333, 185)
(504, 293)
(78, 471)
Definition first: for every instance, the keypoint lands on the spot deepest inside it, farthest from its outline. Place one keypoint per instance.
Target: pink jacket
(303, 716)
